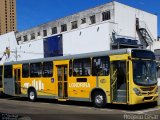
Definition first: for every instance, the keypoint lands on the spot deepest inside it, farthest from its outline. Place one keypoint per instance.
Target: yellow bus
(125, 76)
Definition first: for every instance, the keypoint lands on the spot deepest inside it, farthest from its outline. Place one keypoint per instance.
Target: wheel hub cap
(32, 95)
(99, 99)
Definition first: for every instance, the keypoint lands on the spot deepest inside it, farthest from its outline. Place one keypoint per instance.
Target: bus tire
(32, 95)
(99, 99)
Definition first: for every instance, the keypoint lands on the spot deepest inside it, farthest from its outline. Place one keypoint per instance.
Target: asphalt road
(20, 108)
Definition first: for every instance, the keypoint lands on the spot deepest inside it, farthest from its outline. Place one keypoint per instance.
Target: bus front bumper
(143, 99)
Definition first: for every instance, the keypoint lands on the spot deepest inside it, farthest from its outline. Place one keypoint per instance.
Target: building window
(74, 25)
(100, 66)
(63, 27)
(82, 67)
(32, 36)
(8, 71)
(44, 33)
(83, 20)
(35, 69)
(106, 15)
(47, 69)
(38, 33)
(54, 30)
(93, 19)
(25, 70)
(25, 38)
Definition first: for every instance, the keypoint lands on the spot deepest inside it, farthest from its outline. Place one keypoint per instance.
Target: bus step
(62, 99)
(121, 98)
(121, 92)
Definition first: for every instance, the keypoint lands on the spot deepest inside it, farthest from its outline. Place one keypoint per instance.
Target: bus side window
(8, 71)
(25, 70)
(48, 69)
(100, 66)
(36, 69)
(82, 67)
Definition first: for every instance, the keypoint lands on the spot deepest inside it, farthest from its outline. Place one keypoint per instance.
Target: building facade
(7, 16)
(106, 27)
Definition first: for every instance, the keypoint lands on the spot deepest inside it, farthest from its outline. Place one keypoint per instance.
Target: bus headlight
(137, 91)
(156, 91)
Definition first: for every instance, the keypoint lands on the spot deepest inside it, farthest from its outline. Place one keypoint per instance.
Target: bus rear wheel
(99, 100)
(32, 95)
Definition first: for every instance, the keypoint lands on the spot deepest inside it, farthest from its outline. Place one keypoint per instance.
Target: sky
(31, 13)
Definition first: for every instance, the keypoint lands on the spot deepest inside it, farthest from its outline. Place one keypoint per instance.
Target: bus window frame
(70, 68)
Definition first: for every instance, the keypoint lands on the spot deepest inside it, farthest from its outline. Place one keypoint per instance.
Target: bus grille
(148, 89)
(147, 98)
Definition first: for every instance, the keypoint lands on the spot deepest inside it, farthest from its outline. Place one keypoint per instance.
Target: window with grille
(54, 30)
(74, 25)
(44, 33)
(63, 27)
(32, 36)
(93, 19)
(83, 20)
(106, 16)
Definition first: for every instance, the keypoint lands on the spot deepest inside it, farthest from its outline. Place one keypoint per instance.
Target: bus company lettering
(78, 85)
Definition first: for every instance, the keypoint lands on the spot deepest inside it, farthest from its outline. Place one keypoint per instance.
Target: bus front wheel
(99, 99)
(32, 95)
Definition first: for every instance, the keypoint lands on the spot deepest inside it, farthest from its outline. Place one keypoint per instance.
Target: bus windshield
(144, 72)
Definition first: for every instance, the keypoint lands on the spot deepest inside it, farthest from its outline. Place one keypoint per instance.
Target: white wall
(26, 51)
(91, 39)
(30, 50)
(126, 16)
(7, 40)
(156, 45)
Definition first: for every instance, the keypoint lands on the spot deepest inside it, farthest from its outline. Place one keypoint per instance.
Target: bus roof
(78, 56)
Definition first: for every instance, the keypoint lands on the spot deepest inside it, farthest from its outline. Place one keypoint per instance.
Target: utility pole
(16, 54)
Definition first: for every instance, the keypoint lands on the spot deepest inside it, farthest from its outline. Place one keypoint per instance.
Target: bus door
(62, 74)
(17, 79)
(119, 81)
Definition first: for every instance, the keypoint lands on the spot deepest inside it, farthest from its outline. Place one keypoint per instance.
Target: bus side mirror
(158, 68)
(129, 58)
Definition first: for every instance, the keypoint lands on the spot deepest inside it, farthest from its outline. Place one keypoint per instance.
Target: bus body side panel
(104, 84)
(9, 87)
(81, 90)
(45, 86)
